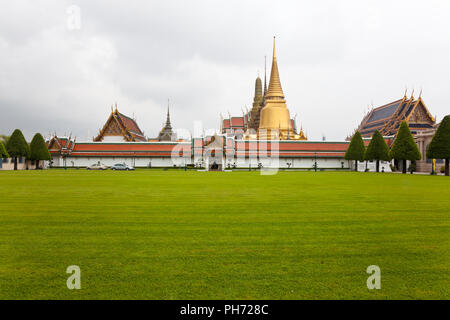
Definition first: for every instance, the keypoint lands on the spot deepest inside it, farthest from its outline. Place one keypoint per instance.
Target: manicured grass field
(194, 235)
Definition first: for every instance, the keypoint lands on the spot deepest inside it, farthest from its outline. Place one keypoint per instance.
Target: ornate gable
(61, 146)
(420, 114)
(119, 125)
(113, 128)
(54, 144)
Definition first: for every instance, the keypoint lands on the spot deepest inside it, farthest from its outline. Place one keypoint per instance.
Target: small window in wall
(21, 159)
(1, 162)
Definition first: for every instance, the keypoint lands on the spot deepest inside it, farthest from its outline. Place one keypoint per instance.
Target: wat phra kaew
(264, 137)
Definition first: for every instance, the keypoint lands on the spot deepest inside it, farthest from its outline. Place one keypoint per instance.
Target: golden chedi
(275, 119)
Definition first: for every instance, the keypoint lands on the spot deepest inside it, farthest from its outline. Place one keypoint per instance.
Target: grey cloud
(335, 58)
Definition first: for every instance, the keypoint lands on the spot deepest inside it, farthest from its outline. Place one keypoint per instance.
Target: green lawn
(155, 234)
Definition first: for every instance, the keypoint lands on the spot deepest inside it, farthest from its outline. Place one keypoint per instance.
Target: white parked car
(97, 166)
(121, 166)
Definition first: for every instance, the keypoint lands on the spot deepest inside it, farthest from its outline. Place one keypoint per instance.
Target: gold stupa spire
(275, 122)
(275, 114)
(275, 91)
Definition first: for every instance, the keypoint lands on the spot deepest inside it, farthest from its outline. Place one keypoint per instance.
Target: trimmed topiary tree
(439, 147)
(3, 152)
(17, 146)
(356, 149)
(39, 150)
(377, 149)
(404, 147)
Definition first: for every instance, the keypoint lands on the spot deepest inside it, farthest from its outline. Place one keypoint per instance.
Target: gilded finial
(265, 75)
(274, 51)
(406, 91)
(420, 94)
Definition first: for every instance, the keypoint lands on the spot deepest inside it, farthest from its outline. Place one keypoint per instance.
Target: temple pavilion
(387, 118)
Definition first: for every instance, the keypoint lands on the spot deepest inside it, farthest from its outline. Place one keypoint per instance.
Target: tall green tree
(39, 150)
(356, 149)
(404, 147)
(439, 147)
(17, 146)
(3, 152)
(377, 149)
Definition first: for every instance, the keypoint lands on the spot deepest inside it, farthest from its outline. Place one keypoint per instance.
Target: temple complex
(264, 137)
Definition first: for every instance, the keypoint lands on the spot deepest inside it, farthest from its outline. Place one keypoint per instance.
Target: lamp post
(315, 161)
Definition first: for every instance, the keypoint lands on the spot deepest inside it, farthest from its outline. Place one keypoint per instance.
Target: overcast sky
(335, 59)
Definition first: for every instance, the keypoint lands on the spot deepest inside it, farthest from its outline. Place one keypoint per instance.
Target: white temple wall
(114, 139)
(289, 163)
(8, 164)
(268, 162)
(283, 163)
(372, 166)
(144, 162)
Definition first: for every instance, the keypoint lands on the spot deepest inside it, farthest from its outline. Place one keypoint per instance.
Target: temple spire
(258, 89)
(166, 133)
(168, 125)
(275, 91)
(265, 75)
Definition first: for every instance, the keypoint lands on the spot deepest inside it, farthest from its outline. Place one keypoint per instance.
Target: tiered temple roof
(61, 145)
(387, 118)
(120, 125)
